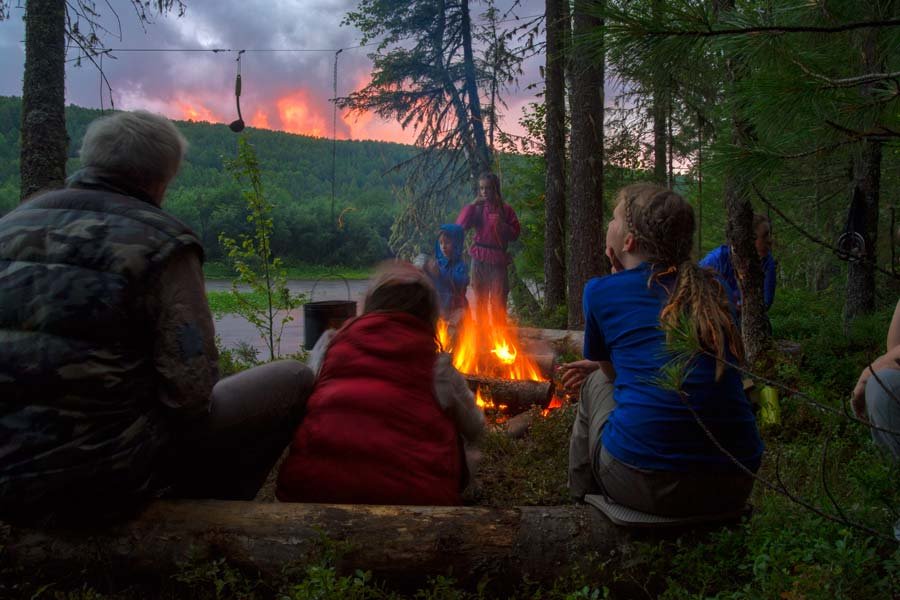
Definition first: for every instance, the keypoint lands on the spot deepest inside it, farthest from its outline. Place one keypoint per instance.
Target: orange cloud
(193, 110)
(369, 126)
(260, 119)
(297, 116)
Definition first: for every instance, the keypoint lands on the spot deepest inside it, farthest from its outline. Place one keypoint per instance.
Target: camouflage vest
(79, 415)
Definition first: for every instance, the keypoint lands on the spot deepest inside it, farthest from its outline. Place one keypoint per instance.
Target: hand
(614, 260)
(573, 374)
(431, 267)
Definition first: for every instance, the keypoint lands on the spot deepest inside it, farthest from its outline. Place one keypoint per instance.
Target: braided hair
(662, 223)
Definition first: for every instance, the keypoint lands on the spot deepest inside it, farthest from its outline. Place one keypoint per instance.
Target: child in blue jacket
(450, 274)
(719, 260)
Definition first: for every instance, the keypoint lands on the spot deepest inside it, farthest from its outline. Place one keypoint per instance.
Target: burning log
(517, 395)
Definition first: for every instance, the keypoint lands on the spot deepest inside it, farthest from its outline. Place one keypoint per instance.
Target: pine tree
(557, 15)
(586, 232)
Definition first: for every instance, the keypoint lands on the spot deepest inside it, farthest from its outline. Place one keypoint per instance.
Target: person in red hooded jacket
(386, 421)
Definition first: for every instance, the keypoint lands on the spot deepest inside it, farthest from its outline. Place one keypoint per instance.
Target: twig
(779, 487)
(814, 239)
(828, 493)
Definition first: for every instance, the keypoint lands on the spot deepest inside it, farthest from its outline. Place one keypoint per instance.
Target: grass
(221, 270)
(781, 552)
(221, 303)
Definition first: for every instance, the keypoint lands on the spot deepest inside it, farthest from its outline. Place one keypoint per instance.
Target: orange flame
(491, 350)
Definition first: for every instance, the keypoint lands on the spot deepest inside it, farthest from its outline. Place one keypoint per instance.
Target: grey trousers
(228, 453)
(884, 410)
(670, 493)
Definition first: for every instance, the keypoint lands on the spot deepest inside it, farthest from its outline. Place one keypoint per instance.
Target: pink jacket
(493, 231)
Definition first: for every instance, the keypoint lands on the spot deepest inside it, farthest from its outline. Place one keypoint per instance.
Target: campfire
(506, 379)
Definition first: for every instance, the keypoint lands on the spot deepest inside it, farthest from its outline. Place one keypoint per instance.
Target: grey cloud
(163, 79)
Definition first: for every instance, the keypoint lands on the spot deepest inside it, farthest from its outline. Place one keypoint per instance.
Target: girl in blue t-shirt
(634, 440)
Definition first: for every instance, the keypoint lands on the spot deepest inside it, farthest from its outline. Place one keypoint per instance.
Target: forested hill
(297, 175)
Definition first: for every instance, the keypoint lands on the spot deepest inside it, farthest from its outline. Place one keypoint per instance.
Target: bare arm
(457, 400)
(893, 337)
(888, 360)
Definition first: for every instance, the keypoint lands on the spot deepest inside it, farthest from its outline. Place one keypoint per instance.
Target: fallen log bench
(401, 545)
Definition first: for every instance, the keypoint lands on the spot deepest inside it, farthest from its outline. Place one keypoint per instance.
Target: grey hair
(142, 146)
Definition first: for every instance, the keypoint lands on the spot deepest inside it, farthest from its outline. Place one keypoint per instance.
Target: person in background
(639, 442)
(878, 402)
(389, 414)
(109, 383)
(450, 274)
(496, 225)
(719, 260)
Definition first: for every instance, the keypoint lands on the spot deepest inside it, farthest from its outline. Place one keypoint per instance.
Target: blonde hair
(662, 223)
(141, 146)
(401, 287)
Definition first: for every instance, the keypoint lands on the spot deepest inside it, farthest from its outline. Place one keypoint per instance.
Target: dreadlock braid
(662, 223)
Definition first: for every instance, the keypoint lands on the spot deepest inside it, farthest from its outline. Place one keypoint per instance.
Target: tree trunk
(44, 139)
(402, 545)
(483, 153)
(555, 153)
(860, 299)
(659, 108)
(586, 235)
(660, 174)
(755, 328)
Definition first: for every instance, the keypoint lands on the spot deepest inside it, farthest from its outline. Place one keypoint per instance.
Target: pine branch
(778, 29)
(816, 240)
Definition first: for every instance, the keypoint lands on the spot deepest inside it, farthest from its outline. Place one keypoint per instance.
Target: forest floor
(782, 551)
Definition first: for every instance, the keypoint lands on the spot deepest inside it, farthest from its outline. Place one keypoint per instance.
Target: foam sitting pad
(629, 517)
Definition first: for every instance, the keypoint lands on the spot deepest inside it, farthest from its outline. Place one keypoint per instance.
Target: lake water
(233, 330)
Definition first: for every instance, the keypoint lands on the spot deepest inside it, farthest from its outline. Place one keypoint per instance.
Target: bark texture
(518, 396)
(44, 138)
(860, 298)
(755, 327)
(399, 544)
(557, 12)
(584, 254)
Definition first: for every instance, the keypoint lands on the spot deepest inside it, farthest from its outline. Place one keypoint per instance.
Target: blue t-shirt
(719, 260)
(651, 428)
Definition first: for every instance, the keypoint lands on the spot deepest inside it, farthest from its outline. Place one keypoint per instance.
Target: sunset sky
(287, 91)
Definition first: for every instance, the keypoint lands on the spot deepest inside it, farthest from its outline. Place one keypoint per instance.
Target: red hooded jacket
(373, 431)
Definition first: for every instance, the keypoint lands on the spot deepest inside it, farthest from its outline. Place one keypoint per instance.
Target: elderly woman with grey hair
(109, 383)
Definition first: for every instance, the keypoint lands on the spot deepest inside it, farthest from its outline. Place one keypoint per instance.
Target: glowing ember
(554, 404)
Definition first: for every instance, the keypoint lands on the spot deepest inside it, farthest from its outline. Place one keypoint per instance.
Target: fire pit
(506, 379)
